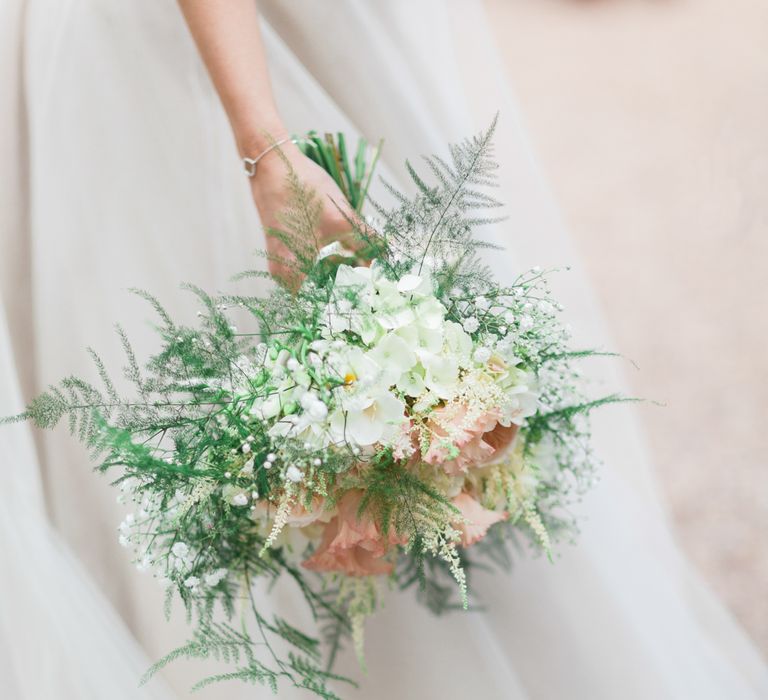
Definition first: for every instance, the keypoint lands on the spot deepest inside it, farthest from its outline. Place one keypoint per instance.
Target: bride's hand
(271, 194)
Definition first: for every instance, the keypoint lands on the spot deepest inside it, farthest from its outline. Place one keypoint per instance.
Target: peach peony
(353, 546)
(478, 441)
(478, 519)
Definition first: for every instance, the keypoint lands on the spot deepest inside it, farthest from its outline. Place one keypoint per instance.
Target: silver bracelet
(251, 163)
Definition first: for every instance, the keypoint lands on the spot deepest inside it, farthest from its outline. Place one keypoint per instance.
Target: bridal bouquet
(357, 428)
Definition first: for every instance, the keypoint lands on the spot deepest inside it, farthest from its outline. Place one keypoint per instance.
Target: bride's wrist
(256, 139)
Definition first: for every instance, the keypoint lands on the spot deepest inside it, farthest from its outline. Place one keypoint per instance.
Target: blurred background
(650, 118)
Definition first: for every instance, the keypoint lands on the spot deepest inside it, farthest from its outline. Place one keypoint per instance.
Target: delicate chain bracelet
(251, 163)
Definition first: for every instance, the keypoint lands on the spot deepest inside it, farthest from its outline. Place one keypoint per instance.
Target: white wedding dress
(119, 171)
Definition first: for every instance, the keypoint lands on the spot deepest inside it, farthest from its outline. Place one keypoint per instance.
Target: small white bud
(307, 399)
(471, 324)
(318, 411)
(216, 577)
(239, 499)
(180, 549)
(294, 474)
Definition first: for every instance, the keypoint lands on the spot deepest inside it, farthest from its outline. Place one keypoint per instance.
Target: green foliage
(352, 175)
(438, 222)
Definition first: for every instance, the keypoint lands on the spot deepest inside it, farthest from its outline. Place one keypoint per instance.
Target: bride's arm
(228, 37)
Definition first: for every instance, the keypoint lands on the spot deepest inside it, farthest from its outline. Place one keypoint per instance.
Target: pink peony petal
(478, 442)
(478, 519)
(353, 546)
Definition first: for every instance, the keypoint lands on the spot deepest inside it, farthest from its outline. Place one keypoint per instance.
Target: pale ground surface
(651, 121)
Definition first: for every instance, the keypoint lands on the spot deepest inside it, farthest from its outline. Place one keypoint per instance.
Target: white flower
(442, 375)
(192, 582)
(430, 313)
(359, 279)
(482, 303)
(314, 409)
(393, 311)
(424, 341)
(269, 407)
(368, 417)
(409, 283)
(340, 313)
(393, 356)
(482, 355)
(411, 383)
(234, 495)
(318, 411)
(526, 323)
(458, 343)
(216, 577)
(471, 324)
(307, 399)
(522, 402)
(294, 474)
(180, 550)
(353, 365)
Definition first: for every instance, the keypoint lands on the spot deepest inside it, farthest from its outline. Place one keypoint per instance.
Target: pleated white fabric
(132, 180)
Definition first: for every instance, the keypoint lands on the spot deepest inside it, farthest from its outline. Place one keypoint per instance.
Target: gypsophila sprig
(401, 420)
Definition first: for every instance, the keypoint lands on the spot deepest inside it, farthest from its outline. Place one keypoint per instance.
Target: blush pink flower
(478, 440)
(501, 439)
(478, 519)
(351, 545)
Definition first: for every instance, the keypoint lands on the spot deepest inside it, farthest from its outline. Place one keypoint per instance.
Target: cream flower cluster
(391, 354)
